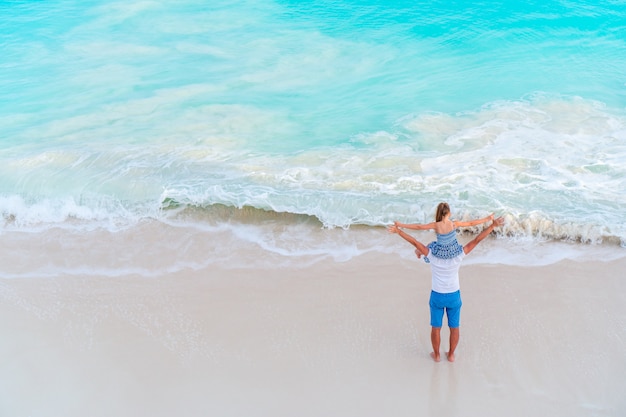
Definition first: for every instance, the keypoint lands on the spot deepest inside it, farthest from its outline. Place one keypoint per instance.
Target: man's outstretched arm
(469, 246)
(421, 249)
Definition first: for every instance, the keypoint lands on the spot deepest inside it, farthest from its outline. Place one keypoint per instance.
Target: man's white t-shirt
(445, 273)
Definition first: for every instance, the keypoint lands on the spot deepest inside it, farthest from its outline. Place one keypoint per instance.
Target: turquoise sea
(339, 114)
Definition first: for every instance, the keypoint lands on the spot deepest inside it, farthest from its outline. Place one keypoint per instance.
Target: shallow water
(348, 113)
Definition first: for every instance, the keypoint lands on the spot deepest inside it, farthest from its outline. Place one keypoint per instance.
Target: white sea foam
(518, 159)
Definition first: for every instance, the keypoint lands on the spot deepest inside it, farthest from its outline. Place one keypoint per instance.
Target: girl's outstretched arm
(420, 248)
(415, 226)
(474, 222)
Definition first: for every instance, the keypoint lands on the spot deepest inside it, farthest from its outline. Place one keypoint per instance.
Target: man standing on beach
(445, 294)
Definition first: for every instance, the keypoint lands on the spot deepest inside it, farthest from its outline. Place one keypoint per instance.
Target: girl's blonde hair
(442, 210)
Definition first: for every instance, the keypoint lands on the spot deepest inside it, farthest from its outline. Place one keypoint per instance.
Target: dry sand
(331, 339)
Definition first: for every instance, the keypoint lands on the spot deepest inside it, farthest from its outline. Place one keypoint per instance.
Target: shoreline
(332, 338)
(153, 249)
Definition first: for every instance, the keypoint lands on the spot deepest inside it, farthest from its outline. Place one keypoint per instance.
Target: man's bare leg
(454, 341)
(435, 339)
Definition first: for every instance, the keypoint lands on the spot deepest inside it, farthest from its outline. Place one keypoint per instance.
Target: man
(445, 294)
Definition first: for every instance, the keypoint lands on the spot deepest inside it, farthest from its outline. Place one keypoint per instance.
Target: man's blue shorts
(451, 303)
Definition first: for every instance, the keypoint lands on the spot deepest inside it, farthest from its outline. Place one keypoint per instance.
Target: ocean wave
(113, 216)
(197, 238)
(553, 165)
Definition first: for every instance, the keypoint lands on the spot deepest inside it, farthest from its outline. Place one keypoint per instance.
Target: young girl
(446, 246)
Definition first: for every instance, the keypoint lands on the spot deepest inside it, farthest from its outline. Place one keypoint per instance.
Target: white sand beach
(331, 339)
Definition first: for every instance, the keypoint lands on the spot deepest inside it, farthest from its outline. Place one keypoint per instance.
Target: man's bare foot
(435, 356)
(450, 356)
